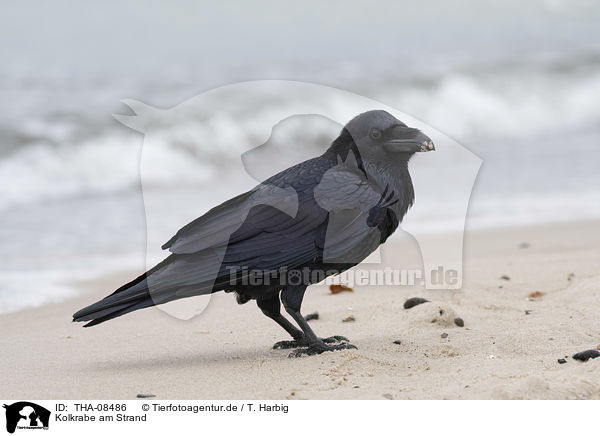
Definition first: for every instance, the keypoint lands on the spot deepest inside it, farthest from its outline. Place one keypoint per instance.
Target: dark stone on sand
(523, 245)
(561, 361)
(528, 312)
(414, 301)
(444, 335)
(145, 395)
(459, 322)
(398, 342)
(504, 277)
(311, 316)
(586, 355)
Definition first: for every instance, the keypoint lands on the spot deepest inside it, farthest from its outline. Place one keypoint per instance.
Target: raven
(312, 220)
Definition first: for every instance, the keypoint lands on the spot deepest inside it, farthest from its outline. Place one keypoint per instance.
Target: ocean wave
(506, 107)
(74, 150)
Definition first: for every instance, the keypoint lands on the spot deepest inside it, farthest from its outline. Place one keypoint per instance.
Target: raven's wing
(222, 225)
(332, 216)
(280, 223)
(216, 227)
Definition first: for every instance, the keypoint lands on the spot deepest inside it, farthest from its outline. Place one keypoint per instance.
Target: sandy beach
(508, 348)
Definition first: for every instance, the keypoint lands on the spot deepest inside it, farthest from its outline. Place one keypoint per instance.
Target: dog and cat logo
(26, 415)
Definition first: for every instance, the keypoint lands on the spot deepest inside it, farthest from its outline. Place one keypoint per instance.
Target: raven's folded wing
(331, 220)
(215, 228)
(272, 226)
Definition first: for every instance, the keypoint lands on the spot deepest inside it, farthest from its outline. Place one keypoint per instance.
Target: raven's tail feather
(168, 284)
(177, 276)
(129, 297)
(114, 312)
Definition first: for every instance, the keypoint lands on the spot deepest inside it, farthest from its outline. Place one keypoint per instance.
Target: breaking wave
(66, 153)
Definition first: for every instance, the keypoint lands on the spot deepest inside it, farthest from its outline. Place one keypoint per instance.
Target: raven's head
(377, 136)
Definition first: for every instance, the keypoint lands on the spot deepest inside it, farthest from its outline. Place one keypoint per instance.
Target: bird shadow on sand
(189, 360)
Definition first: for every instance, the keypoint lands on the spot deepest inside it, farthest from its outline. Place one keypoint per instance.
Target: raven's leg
(292, 296)
(272, 308)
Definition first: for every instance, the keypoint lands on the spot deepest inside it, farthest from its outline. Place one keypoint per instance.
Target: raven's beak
(419, 143)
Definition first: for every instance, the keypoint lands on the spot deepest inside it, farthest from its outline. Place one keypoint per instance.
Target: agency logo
(26, 415)
(253, 130)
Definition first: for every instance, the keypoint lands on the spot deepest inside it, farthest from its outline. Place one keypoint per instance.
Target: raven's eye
(375, 133)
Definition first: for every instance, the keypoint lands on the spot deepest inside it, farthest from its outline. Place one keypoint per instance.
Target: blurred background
(518, 83)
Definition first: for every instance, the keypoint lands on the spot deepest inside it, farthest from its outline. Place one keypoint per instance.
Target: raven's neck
(341, 147)
(392, 173)
(396, 177)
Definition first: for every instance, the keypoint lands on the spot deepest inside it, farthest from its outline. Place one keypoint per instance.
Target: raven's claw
(333, 339)
(286, 345)
(321, 347)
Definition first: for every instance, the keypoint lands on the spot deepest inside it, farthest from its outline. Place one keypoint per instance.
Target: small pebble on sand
(586, 355)
(561, 361)
(504, 277)
(388, 396)
(311, 316)
(349, 319)
(571, 276)
(398, 342)
(459, 322)
(523, 245)
(528, 312)
(444, 335)
(414, 301)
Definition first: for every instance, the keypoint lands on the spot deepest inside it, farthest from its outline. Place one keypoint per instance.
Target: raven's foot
(285, 345)
(303, 342)
(321, 347)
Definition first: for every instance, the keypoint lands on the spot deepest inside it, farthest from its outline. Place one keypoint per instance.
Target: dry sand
(225, 353)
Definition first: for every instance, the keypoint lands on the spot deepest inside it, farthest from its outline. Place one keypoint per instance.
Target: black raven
(315, 219)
